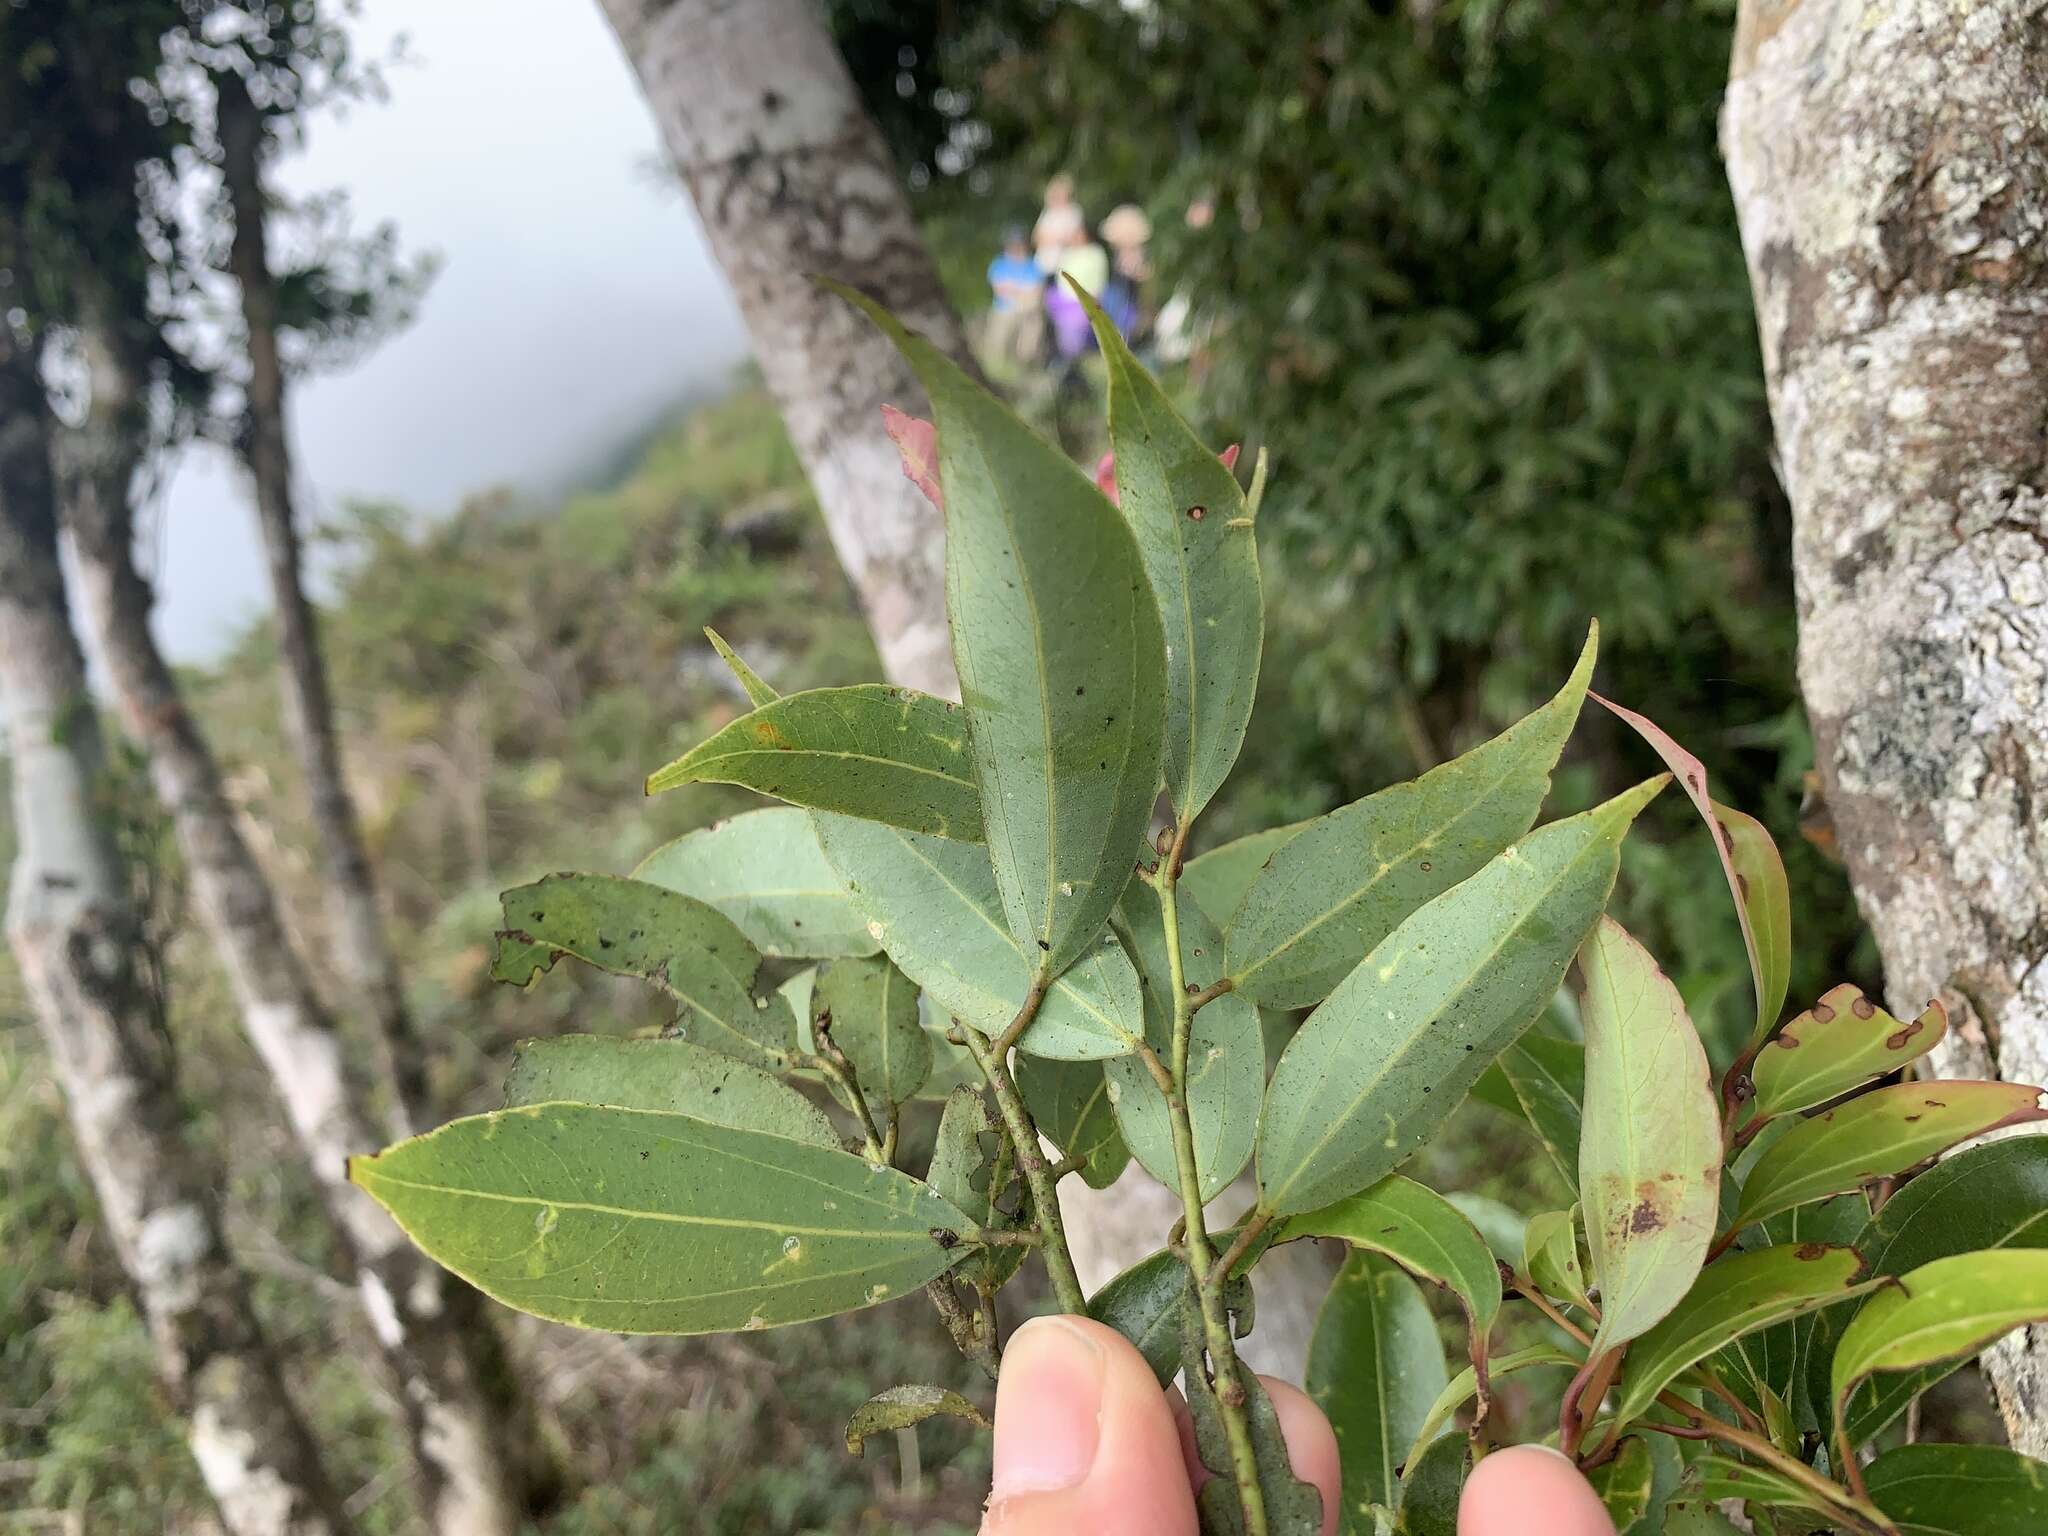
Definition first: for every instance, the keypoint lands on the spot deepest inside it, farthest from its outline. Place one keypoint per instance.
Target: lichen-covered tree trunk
(79, 943)
(1889, 160)
(792, 180)
(462, 1449)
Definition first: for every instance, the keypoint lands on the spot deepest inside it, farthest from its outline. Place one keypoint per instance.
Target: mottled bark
(357, 939)
(442, 1369)
(791, 179)
(78, 941)
(1889, 160)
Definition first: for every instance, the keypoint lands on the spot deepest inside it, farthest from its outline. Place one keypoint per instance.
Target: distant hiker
(1016, 315)
(1060, 223)
(1087, 263)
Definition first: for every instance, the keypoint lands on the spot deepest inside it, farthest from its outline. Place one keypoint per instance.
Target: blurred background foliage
(1471, 277)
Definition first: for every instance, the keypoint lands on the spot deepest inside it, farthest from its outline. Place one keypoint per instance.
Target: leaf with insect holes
(757, 692)
(1841, 1042)
(1375, 1365)
(1947, 1310)
(974, 1167)
(1885, 1131)
(1062, 662)
(903, 1407)
(1736, 1296)
(1344, 881)
(1069, 1103)
(873, 751)
(932, 905)
(1293, 1507)
(1422, 1232)
(1186, 512)
(1219, 878)
(1960, 1490)
(1383, 1063)
(872, 1011)
(638, 1222)
(1750, 860)
(631, 928)
(672, 1076)
(1541, 1080)
(765, 871)
(1650, 1158)
(1464, 1386)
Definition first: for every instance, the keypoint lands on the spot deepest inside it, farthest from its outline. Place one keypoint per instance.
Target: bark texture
(78, 940)
(792, 180)
(1889, 160)
(444, 1370)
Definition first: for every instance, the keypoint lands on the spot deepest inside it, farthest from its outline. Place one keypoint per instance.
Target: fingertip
(1530, 1490)
(1311, 1444)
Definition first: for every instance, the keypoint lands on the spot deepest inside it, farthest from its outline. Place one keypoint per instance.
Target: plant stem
(1059, 1263)
(1209, 994)
(832, 1065)
(1252, 1229)
(1224, 1370)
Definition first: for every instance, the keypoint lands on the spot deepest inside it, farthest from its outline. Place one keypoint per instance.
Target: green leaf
(1650, 1159)
(1776, 1362)
(1219, 878)
(1186, 513)
(1689, 1517)
(1884, 1132)
(1550, 1257)
(1069, 1103)
(1385, 1060)
(1946, 1310)
(1341, 884)
(1960, 1490)
(932, 905)
(973, 1167)
(1756, 874)
(1226, 1070)
(1625, 1483)
(764, 871)
(631, 928)
(1431, 1488)
(1143, 1304)
(636, 1222)
(672, 1076)
(1422, 1232)
(1736, 1296)
(757, 692)
(1501, 1225)
(1989, 1196)
(1062, 662)
(1714, 1477)
(873, 751)
(902, 1407)
(869, 1009)
(1293, 1507)
(1464, 1386)
(1841, 1042)
(1375, 1365)
(1542, 1080)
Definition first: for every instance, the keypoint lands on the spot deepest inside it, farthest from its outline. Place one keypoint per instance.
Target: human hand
(1088, 1445)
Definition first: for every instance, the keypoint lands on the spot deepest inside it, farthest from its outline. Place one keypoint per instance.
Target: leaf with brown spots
(1882, 1133)
(1841, 1042)
(1650, 1153)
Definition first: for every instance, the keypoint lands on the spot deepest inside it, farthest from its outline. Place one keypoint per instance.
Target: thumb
(1530, 1490)
(1086, 1443)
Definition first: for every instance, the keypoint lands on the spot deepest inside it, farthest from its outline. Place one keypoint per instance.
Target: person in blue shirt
(1016, 315)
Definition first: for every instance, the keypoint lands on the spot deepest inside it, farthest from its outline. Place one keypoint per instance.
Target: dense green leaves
(1219, 878)
(1884, 1132)
(931, 903)
(873, 751)
(637, 1222)
(1650, 1158)
(764, 870)
(1960, 1490)
(1942, 1311)
(634, 929)
(1422, 1232)
(902, 1407)
(1069, 1103)
(1375, 1367)
(1737, 1296)
(1187, 514)
(1386, 1059)
(669, 1075)
(868, 1009)
(1057, 640)
(1464, 1386)
(1841, 1042)
(1340, 885)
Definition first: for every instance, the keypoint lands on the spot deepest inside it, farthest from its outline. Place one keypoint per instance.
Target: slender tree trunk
(1889, 160)
(78, 941)
(792, 180)
(445, 1373)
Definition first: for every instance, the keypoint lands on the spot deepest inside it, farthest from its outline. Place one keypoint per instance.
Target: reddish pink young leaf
(1229, 456)
(1756, 874)
(918, 441)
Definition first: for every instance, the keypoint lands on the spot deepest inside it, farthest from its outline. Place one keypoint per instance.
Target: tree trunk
(445, 1373)
(78, 941)
(792, 180)
(1889, 161)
